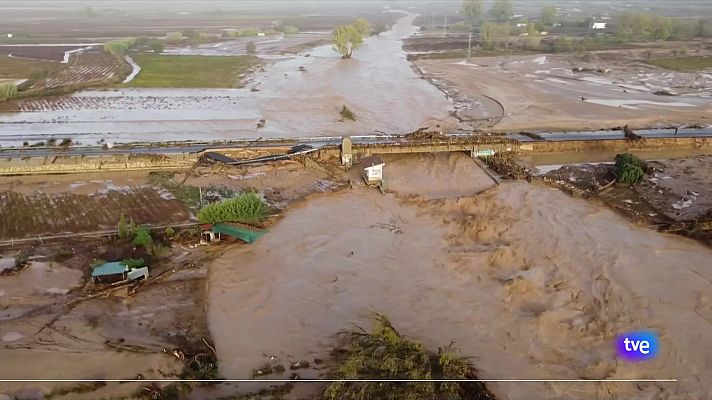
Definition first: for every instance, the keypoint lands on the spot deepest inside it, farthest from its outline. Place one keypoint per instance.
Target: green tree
(494, 34)
(472, 9)
(155, 45)
(363, 26)
(501, 10)
(548, 15)
(346, 39)
(142, 237)
(682, 30)
(251, 47)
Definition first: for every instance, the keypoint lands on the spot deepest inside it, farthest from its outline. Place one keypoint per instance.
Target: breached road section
(533, 283)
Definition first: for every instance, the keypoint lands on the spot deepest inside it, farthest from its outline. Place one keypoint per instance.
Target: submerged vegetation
(7, 90)
(245, 208)
(629, 168)
(346, 113)
(383, 353)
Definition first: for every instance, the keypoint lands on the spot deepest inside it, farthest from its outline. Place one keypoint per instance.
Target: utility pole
(469, 46)
(445, 26)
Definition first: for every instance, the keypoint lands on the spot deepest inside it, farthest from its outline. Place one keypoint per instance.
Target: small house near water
(372, 169)
(117, 271)
(109, 272)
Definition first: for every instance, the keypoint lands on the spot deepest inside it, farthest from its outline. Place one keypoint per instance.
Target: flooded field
(530, 282)
(266, 46)
(378, 84)
(571, 93)
(50, 318)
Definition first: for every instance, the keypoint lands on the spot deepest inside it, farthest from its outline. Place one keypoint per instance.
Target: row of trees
(347, 38)
(501, 10)
(631, 25)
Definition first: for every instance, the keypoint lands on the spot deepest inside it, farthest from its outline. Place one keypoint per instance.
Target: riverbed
(377, 84)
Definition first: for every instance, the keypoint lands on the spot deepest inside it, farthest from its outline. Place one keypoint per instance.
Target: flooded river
(531, 282)
(377, 84)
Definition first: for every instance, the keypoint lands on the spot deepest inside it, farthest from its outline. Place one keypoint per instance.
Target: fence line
(41, 239)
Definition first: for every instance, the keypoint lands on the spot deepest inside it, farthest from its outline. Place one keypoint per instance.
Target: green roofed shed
(244, 233)
(109, 272)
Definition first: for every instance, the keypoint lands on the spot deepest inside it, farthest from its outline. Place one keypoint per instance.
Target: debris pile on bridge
(422, 134)
(506, 166)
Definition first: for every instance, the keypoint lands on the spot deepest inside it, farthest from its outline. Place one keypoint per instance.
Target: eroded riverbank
(531, 282)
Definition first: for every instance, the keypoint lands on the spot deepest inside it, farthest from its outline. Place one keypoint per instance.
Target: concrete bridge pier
(347, 154)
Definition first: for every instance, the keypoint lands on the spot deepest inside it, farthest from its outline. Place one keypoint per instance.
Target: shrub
(629, 168)
(248, 32)
(461, 26)
(7, 90)
(155, 45)
(126, 227)
(289, 29)
(142, 237)
(346, 113)
(133, 262)
(251, 47)
(246, 208)
(383, 353)
(119, 47)
(169, 232)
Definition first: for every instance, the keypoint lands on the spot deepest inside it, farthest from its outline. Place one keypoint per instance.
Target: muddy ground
(51, 315)
(319, 81)
(513, 92)
(50, 312)
(675, 193)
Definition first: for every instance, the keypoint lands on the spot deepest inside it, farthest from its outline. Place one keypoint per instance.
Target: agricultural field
(690, 63)
(32, 214)
(17, 68)
(46, 53)
(85, 68)
(161, 71)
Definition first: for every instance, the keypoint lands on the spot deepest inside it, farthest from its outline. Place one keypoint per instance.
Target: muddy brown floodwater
(377, 84)
(531, 282)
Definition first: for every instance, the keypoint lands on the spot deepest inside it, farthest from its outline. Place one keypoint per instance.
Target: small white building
(599, 25)
(372, 169)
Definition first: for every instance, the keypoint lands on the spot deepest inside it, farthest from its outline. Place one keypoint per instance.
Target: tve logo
(638, 345)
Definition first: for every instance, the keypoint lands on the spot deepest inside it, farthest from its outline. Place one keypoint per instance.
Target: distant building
(372, 169)
(599, 25)
(260, 33)
(174, 36)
